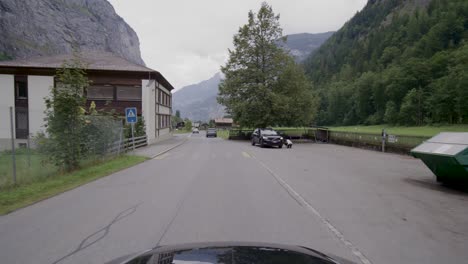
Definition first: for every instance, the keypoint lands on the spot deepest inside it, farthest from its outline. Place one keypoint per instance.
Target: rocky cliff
(46, 27)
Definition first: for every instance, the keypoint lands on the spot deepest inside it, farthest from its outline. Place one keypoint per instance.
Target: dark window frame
(117, 98)
(113, 98)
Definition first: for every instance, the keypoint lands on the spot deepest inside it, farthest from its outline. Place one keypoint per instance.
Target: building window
(21, 87)
(128, 93)
(101, 92)
(164, 121)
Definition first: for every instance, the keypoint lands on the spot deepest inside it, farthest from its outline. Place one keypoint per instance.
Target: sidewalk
(156, 149)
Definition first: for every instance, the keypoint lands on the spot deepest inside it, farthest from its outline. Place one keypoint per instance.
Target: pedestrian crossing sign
(131, 115)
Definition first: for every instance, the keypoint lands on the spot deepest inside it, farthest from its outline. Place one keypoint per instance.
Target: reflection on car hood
(229, 253)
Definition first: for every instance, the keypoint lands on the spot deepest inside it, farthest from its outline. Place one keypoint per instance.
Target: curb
(169, 149)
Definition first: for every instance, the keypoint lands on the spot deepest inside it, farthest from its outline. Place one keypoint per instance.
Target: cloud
(187, 41)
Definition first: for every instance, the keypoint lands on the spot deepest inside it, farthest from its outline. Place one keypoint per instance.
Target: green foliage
(211, 123)
(388, 64)
(263, 86)
(391, 113)
(188, 124)
(65, 116)
(74, 135)
(4, 56)
(139, 128)
(176, 119)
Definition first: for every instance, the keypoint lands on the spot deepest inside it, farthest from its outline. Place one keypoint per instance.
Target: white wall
(164, 133)
(164, 89)
(7, 99)
(38, 88)
(148, 106)
(164, 110)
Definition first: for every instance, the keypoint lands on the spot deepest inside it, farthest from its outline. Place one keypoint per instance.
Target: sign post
(384, 137)
(131, 118)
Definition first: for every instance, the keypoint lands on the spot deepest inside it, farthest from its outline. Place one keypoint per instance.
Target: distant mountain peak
(301, 45)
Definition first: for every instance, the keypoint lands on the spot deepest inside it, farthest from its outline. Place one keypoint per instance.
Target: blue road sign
(131, 115)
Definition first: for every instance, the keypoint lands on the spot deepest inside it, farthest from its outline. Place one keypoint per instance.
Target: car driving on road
(211, 132)
(195, 131)
(267, 137)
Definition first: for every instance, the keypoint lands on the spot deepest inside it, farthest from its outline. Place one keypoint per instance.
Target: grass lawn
(224, 134)
(427, 131)
(28, 167)
(181, 131)
(13, 198)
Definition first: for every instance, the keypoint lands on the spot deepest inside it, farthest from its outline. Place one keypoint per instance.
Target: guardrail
(127, 144)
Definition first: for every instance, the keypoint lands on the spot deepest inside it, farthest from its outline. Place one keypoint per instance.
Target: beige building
(115, 84)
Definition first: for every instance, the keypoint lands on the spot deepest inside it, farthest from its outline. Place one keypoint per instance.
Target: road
(360, 205)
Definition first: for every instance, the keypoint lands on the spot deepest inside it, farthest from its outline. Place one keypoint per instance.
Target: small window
(21, 87)
(101, 92)
(128, 93)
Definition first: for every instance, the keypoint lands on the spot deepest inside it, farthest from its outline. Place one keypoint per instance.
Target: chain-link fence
(27, 151)
(394, 143)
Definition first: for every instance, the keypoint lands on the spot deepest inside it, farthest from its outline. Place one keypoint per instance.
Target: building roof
(224, 121)
(94, 60)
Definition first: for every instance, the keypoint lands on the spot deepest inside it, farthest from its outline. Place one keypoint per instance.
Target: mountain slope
(398, 62)
(47, 27)
(302, 45)
(198, 101)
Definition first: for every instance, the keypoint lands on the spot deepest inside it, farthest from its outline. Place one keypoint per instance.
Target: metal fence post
(29, 151)
(133, 136)
(384, 136)
(120, 140)
(13, 144)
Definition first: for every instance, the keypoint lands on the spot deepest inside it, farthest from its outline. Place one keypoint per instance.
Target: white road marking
(245, 154)
(354, 250)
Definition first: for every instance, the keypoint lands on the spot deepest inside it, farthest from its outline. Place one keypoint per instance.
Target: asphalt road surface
(361, 205)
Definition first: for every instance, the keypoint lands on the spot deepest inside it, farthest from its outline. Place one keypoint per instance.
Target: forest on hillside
(395, 63)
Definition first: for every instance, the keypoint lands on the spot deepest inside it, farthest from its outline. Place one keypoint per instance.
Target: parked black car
(267, 137)
(211, 132)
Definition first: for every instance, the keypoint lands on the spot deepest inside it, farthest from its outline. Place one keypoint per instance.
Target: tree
(177, 113)
(211, 123)
(263, 86)
(188, 124)
(65, 115)
(411, 111)
(391, 113)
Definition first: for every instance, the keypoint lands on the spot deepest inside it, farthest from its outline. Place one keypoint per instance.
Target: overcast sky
(187, 40)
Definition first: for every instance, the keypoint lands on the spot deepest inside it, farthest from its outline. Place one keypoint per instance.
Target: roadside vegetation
(394, 64)
(263, 85)
(426, 131)
(224, 134)
(12, 198)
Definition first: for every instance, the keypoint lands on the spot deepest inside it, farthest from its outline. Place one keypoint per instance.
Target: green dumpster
(446, 155)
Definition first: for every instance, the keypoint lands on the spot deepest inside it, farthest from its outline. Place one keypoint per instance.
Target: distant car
(211, 132)
(195, 131)
(267, 137)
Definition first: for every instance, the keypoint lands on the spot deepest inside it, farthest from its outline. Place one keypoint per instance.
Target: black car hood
(230, 253)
